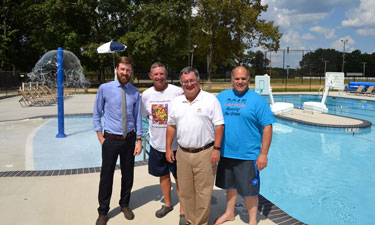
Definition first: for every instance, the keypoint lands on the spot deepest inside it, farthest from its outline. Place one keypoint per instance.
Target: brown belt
(195, 150)
(118, 137)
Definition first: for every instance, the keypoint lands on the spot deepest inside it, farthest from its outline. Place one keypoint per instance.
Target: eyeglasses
(186, 82)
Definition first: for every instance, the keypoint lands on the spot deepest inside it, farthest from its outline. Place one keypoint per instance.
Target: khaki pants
(196, 177)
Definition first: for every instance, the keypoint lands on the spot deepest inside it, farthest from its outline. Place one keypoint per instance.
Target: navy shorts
(238, 174)
(158, 165)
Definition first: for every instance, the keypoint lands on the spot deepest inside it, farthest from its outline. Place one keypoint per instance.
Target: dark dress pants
(110, 150)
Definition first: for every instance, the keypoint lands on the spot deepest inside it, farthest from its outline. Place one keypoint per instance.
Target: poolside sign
(336, 80)
(262, 84)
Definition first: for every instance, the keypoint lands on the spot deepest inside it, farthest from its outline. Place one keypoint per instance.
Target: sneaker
(182, 220)
(128, 213)
(163, 211)
(102, 220)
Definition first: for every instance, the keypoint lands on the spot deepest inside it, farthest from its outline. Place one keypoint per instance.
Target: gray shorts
(238, 174)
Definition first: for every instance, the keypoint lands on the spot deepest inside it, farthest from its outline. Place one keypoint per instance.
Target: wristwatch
(217, 148)
(139, 139)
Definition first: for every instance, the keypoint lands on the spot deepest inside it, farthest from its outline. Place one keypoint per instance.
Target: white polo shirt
(195, 121)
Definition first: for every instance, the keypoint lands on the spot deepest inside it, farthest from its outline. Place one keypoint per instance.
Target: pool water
(321, 177)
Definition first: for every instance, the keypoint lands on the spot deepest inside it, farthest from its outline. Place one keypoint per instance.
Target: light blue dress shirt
(108, 105)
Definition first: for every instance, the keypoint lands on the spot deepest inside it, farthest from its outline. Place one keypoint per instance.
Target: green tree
(317, 61)
(8, 33)
(109, 20)
(158, 33)
(257, 61)
(226, 28)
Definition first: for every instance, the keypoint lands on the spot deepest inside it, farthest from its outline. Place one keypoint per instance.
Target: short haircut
(248, 72)
(124, 60)
(158, 64)
(188, 70)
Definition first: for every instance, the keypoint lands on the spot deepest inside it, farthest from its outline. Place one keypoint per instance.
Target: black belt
(195, 150)
(119, 137)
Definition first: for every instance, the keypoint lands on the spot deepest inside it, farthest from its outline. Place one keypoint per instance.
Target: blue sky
(313, 24)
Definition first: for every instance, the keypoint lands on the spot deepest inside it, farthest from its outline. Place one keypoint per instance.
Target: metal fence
(10, 81)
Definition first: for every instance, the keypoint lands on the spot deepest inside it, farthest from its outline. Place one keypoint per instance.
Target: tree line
(315, 63)
(330, 60)
(213, 35)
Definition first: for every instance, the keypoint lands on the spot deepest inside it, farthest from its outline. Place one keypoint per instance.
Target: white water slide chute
(333, 80)
(263, 87)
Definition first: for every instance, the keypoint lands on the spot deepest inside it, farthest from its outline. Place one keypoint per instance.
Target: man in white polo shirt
(193, 116)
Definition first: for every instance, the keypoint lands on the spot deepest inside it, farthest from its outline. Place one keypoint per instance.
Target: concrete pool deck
(72, 199)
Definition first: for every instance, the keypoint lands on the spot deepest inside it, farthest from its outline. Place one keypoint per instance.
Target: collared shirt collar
(119, 84)
(197, 98)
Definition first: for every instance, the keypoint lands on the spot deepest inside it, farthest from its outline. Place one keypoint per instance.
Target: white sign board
(262, 84)
(336, 80)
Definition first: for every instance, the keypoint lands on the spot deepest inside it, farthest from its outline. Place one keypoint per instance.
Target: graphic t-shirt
(245, 116)
(155, 105)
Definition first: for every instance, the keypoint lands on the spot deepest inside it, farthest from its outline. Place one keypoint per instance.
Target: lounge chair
(359, 90)
(46, 99)
(370, 90)
(51, 91)
(44, 92)
(28, 100)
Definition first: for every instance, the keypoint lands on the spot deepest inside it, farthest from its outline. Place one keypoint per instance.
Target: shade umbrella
(111, 47)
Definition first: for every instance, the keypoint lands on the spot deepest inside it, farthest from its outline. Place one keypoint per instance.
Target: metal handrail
(145, 139)
(144, 144)
(320, 90)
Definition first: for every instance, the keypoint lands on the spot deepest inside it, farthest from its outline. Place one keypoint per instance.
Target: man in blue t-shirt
(244, 148)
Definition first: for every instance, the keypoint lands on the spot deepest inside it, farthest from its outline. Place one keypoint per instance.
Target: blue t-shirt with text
(245, 115)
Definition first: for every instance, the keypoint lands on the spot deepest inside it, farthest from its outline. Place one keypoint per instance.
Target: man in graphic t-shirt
(156, 102)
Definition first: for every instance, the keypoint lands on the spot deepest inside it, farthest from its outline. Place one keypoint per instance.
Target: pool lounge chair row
(40, 96)
(362, 90)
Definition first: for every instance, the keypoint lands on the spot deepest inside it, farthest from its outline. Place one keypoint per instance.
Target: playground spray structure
(69, 74)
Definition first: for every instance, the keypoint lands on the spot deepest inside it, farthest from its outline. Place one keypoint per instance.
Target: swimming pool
(315, 176)
(320, 177)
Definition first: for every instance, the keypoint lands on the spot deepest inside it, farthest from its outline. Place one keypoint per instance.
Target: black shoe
(182, 220)
(128, 213)
(102, 220)
(163, 211)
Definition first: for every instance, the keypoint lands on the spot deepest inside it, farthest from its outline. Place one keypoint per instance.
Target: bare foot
(224, 218)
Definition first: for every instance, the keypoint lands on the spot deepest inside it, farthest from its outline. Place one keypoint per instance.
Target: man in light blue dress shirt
(115, 141)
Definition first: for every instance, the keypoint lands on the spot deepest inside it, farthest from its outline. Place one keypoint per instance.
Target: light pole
(310, 77)
(343, 55)
(325, 66)
(287, 75)
(270, 64)
(192, 55)
(364, 68)
(189, 31)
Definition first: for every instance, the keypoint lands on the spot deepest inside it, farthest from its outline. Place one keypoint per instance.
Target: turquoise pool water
(315, 176)
(321, 177)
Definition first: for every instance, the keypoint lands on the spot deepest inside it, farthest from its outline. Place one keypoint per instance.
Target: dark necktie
(123, 102)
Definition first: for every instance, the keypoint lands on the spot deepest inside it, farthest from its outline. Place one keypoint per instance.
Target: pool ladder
(144, 144)
(320, 90)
